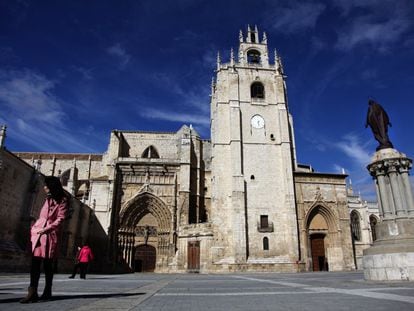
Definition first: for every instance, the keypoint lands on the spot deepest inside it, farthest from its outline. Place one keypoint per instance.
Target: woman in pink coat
(84, 257)
(45, 237)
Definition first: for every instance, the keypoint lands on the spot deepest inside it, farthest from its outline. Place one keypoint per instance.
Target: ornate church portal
(144, 236)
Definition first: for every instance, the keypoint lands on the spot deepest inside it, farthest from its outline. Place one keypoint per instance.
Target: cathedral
(175, 202)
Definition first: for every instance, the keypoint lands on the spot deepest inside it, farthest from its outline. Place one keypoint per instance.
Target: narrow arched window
(373, 223)
(150, 152)
(257, 90)
(253, 57)
(355, 226)
(265, 243)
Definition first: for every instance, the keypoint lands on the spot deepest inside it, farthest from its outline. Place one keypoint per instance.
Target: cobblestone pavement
(266, 291)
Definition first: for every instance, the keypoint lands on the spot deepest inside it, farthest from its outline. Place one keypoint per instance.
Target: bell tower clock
(253, 205)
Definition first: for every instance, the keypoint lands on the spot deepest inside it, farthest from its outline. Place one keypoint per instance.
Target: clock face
(257, 122)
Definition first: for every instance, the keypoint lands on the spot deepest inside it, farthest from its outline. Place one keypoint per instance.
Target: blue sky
(71, 71)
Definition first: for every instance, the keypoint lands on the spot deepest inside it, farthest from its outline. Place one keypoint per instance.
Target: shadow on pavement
(66, 297)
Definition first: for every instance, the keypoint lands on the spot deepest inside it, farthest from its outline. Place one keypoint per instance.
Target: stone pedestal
(392, 255)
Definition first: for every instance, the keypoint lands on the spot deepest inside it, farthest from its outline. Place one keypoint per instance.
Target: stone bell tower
(253, 205)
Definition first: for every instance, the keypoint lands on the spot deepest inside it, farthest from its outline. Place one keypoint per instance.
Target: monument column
(392, 255)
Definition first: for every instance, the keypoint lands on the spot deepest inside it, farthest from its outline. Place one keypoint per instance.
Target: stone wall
(21, 197)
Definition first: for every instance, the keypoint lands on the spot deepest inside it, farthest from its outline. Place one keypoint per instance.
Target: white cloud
(346, 6)
(339, 169)
(194, 96)
(120, 53)
(380, 35)
(379, 24)
(34, 114)
(352, 147)
(209, 58)
(28, 95)
(157, 114)
(295, 16)
(86, 73)
(360, 157)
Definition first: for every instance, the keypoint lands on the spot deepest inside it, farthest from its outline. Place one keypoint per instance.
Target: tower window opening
(265, 243)
(252, 177)
(264, 221)
(253, 57)
(257, 90)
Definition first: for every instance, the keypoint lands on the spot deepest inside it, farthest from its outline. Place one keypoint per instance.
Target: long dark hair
(55, 188)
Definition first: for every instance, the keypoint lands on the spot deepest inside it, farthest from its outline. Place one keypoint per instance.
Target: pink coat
(51, 218)
(85, 254)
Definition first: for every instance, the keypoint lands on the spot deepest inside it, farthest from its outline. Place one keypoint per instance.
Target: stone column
(392, 255)
(385, 205)
(398, 197)
(407, 192)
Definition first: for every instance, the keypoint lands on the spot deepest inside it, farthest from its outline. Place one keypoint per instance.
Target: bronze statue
(378, 120)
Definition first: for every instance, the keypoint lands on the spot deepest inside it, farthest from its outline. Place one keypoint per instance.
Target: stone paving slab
(267, 291)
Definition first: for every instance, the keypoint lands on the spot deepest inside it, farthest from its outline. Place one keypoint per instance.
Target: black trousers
(82, 266)
(35, 271)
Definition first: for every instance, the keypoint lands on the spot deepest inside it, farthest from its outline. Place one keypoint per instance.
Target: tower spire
(241, 36)
(248, 36)
(264, 41)
(278, 63)
(218, 61)
(231, 57)
(2, 135)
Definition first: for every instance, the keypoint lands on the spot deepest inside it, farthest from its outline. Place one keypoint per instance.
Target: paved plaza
(265, 291)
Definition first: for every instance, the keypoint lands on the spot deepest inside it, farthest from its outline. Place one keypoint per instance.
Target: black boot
(31, 295)
(47, 293)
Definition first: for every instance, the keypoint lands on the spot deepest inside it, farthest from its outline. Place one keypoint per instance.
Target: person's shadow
(65, 297)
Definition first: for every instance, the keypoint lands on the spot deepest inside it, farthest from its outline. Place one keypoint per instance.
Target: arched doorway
(319, 221)
(145, 258)
(319, 262)
(144, 238)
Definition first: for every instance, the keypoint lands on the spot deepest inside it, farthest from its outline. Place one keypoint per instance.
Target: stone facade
(173, 202)
(364, 217)
(323, 220)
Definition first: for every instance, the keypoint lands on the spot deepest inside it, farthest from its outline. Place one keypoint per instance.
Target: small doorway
(145, 258)
(319, 262)
(194, 256)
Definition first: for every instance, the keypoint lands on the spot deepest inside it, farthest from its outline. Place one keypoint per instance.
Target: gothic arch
(325, 212)
(150, 152)
(321, 229)
(253, 56)
(355, 218)
(373, 221)
(142, 204)
(129, 234)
